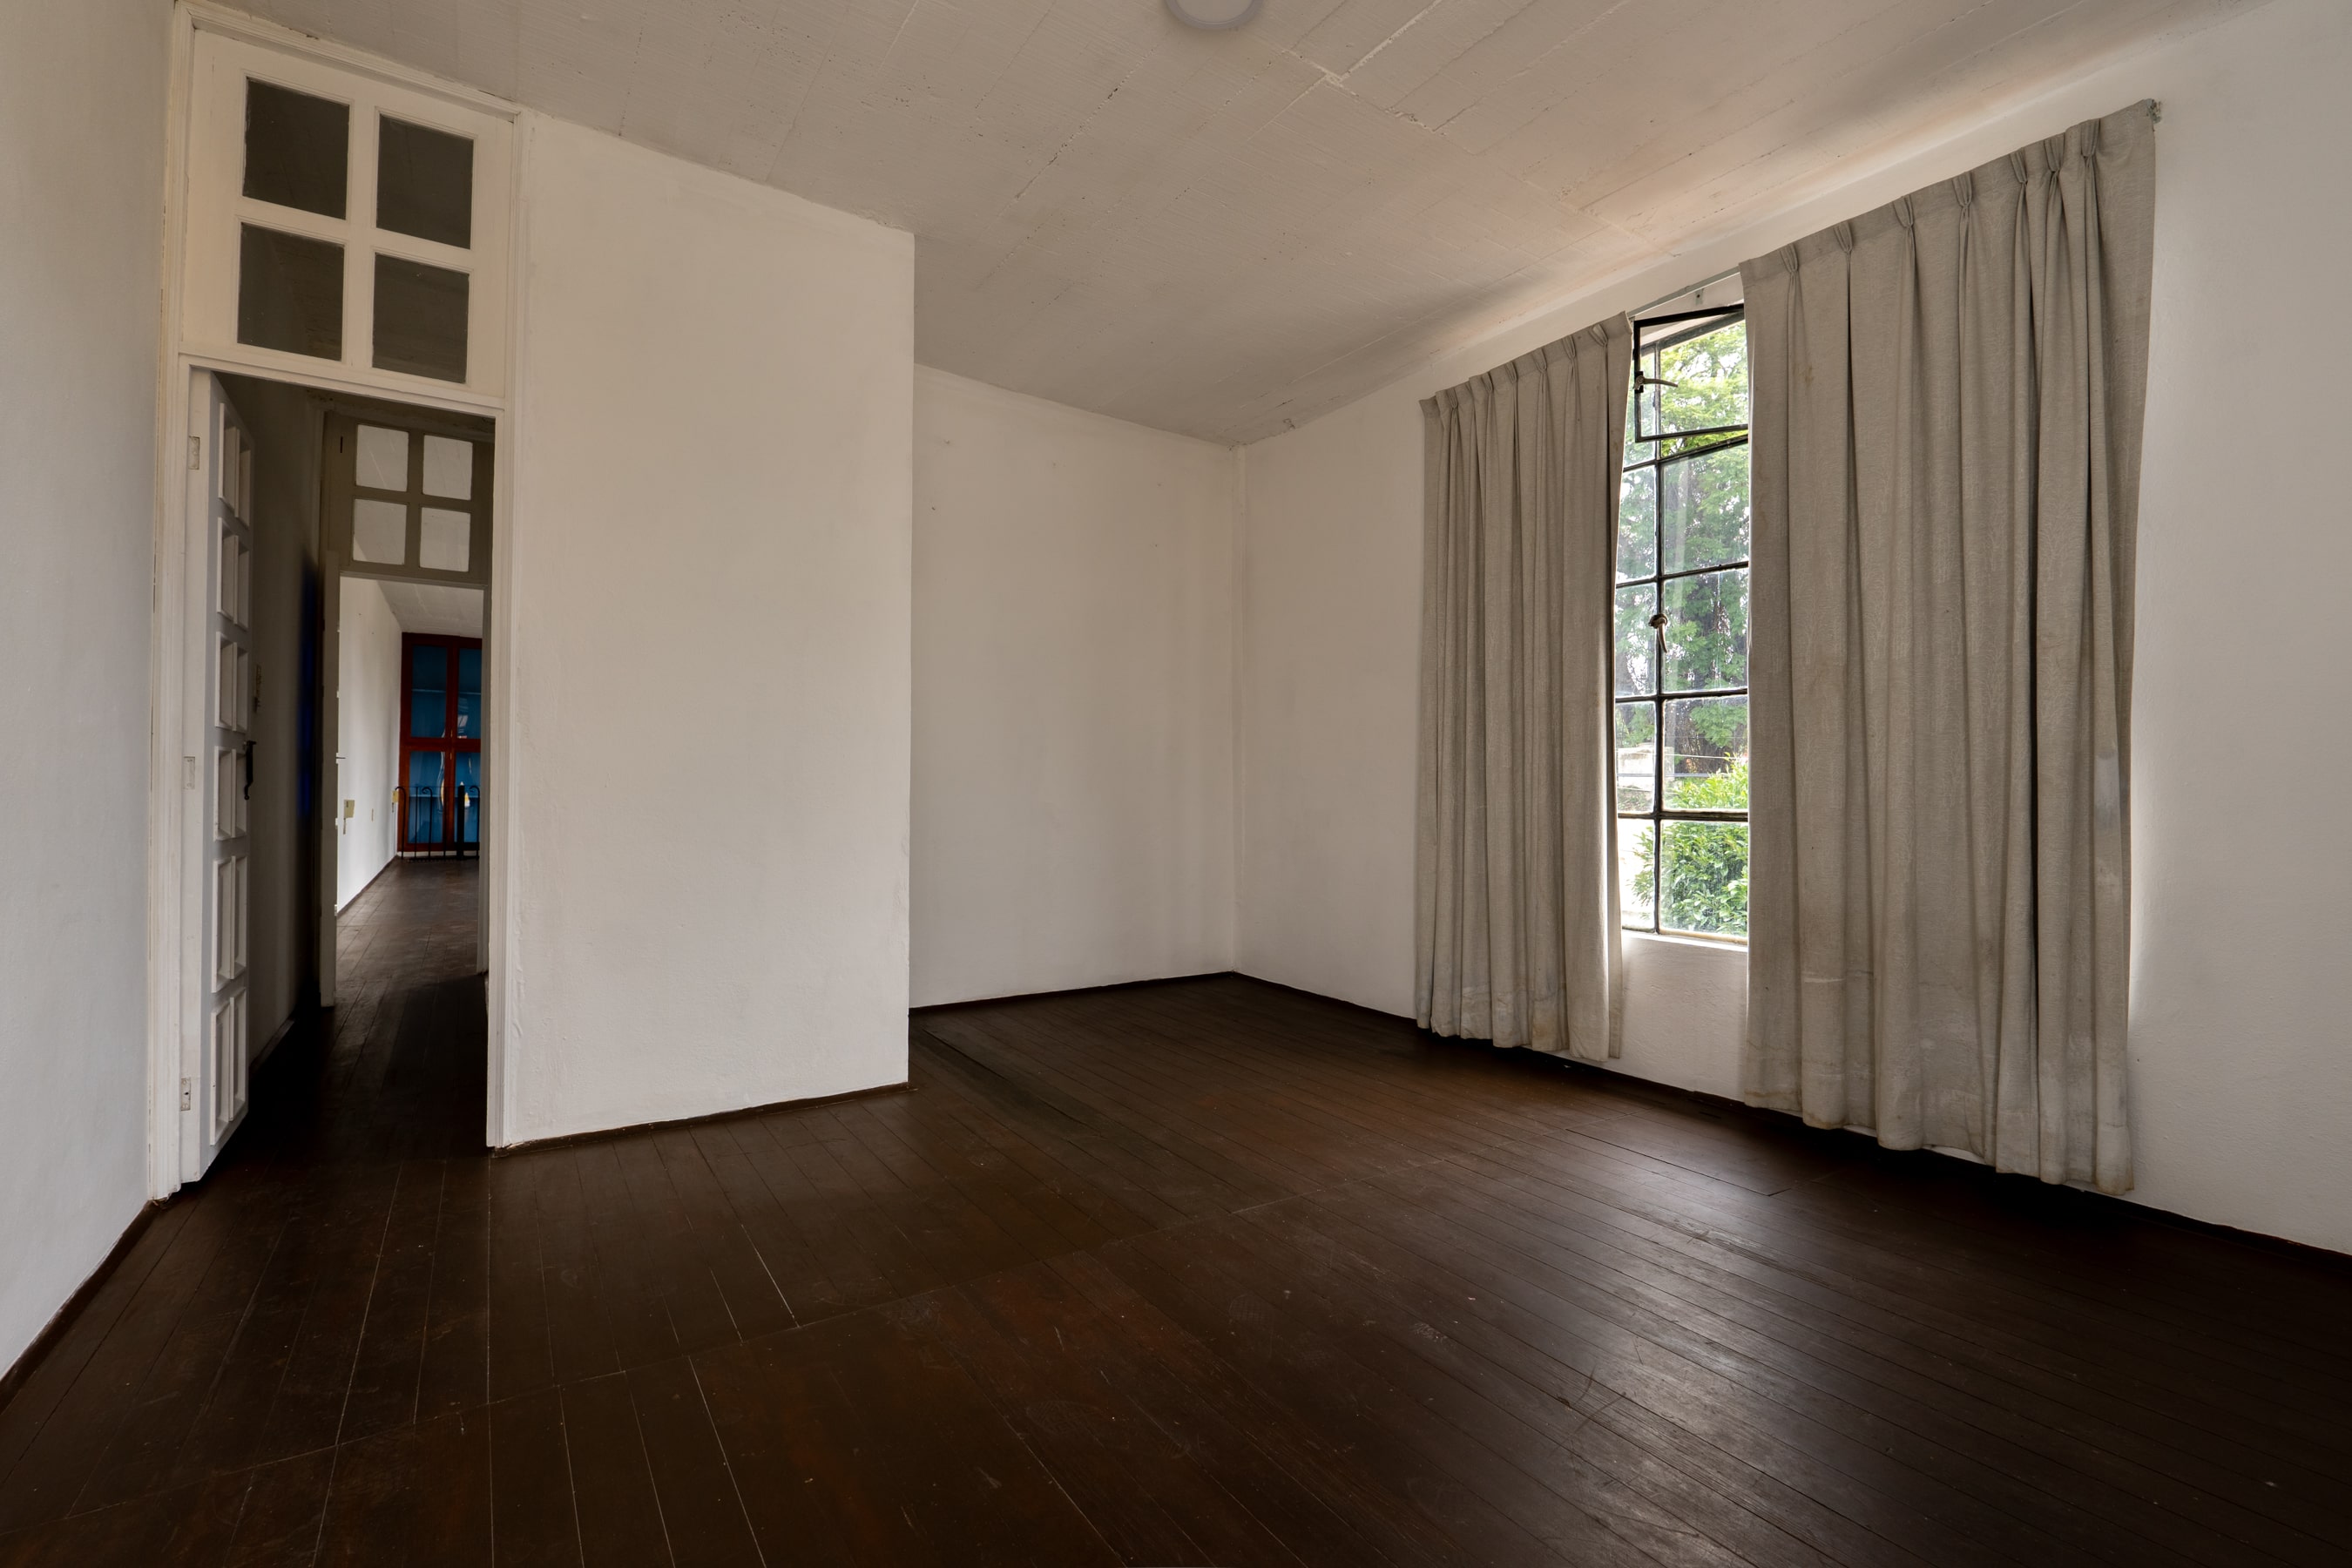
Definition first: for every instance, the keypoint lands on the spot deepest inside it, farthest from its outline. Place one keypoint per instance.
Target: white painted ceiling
(434, 608)
(1218, 233)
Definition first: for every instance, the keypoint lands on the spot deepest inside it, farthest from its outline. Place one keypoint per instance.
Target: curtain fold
(1517, 924)
(1945, 452)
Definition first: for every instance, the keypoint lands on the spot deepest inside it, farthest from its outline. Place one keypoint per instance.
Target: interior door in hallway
(440, 745)
(220, 765)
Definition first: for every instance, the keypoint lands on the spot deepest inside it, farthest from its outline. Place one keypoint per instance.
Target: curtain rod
(2155, 112)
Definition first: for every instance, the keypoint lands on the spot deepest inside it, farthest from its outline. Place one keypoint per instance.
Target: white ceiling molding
(1225, 232)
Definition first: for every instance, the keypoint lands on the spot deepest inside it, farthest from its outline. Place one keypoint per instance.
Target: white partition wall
(703, 646)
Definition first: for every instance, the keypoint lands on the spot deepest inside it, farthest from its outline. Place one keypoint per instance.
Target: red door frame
(448, 742)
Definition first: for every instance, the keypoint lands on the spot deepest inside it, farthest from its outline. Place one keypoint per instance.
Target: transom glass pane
(289, 292)
(1706, 631)
(420, 319)
(448, 467)
(1636, 643)
(383, 458)
(428, 691)
(380, 532)
(444, 540)
(424, 183)
(297, 148)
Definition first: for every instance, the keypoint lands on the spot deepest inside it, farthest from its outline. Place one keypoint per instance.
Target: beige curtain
(1946, 457)
(1517, 937)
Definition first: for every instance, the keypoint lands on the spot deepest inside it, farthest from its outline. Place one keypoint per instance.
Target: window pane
(380, 532)
(1637, 736)
(289, 293)
(1705, 878)
(444, 540)
(448, 467)
(1637, 524)
(470, 693)
(1709, 377)
(425, 183)
(1706, 631)
(1707, 755)
(424, 802)
(1636, 871)
(297, 148)
(1706, 517)
(420, 319)
(1636, 643)
(466, 798)
(428, 691)
(383, 458)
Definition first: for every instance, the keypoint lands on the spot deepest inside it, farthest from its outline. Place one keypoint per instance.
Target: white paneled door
(220, 769)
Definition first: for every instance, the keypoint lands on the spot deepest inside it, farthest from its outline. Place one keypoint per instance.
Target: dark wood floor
(1205, 1273)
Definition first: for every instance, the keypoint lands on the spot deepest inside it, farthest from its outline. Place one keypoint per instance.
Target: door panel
(214, 1056)
(441, 745)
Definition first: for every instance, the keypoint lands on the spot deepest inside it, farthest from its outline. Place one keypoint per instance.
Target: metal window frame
(1693, 445)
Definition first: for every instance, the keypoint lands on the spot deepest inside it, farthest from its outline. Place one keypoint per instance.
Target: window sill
(1707, 943)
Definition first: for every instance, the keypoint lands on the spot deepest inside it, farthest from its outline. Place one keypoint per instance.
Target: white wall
(1074, 686)
(704, 624)
(81, 179)
(368, 737)
(2242, 1044)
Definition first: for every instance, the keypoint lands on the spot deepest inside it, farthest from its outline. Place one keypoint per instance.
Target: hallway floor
(1198, 1272)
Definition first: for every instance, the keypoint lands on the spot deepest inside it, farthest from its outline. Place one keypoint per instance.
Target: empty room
(1174, 782)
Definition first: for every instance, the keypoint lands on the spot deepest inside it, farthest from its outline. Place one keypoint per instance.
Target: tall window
(1682, 628)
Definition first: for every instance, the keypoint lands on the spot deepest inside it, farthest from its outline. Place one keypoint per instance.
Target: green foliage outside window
(1705, 885)
(1683, 517)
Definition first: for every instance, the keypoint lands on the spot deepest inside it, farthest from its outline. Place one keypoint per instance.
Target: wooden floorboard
(1200, 1272)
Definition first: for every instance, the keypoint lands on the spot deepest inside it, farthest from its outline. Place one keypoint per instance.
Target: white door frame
(176, 650)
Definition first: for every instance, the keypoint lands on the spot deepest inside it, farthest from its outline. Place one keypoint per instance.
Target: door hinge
(195, 453)
(187, 1102)
(187, 773)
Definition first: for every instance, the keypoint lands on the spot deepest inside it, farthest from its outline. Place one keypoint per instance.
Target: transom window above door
(344, 224)
(405, 502)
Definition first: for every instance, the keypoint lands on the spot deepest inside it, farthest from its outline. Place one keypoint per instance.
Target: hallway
(1193, 1272)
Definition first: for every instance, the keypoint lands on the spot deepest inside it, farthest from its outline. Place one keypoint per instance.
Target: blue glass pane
(470, 693)
(469, 797)
(428, 691)
(424, 798)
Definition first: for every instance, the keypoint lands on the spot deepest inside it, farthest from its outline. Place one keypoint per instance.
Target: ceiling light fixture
(1213, 15)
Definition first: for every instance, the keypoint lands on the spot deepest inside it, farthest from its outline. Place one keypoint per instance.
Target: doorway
(440, 745)
(335, 566)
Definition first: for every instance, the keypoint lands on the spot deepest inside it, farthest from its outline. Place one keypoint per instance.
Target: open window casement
(342, 226)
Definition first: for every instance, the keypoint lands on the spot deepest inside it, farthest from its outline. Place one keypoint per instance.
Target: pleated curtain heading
(1516, 922)
(1945, 445)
